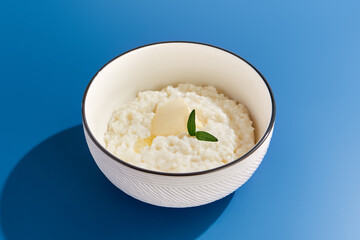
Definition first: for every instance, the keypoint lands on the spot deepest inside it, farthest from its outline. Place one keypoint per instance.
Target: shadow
(57, 192)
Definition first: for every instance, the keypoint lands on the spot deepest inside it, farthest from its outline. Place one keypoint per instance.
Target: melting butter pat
(170, 118)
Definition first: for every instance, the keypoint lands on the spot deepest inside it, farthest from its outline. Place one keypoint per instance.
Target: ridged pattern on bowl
(177, 191)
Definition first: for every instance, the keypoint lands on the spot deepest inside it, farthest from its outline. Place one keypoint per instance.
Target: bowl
(157, 65)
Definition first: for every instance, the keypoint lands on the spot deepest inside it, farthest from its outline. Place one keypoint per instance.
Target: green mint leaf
(191, 126)
(204, 136)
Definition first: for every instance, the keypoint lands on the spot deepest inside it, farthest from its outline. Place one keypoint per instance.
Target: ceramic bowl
(153, 67)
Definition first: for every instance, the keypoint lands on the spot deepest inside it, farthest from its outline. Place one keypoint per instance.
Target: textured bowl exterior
(178, 191)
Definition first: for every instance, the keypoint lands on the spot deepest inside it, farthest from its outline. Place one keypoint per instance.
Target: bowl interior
(155, 66)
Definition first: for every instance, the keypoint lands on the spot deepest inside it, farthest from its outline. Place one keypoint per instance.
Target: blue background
(308, 186)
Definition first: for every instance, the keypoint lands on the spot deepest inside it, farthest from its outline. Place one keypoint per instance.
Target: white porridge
(150, 132)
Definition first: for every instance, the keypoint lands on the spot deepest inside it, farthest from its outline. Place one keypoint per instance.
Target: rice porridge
(150, 132)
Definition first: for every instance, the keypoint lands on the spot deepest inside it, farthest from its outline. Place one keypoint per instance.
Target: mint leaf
(200, 135)
(204, 136)
(191, 126)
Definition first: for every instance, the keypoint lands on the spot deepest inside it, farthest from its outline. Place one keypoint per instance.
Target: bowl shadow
(56, 191)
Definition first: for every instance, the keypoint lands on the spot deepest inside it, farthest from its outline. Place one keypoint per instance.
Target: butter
(141, 143)
(170, 118)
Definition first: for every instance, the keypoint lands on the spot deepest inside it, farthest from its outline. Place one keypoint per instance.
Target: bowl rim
(251, 151)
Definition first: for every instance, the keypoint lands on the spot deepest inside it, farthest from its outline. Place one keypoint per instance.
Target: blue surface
(308, 186)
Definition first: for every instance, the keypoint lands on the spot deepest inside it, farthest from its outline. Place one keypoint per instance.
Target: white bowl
(155, 66)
